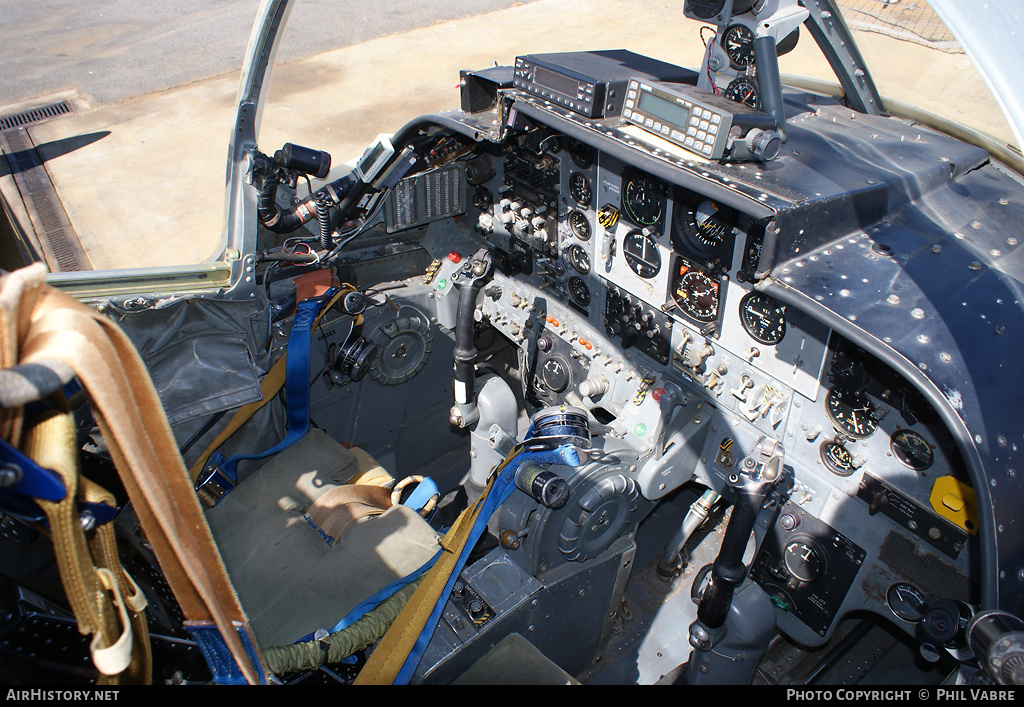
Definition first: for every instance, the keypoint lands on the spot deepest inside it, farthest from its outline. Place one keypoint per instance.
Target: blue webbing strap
(296, 389)
(224, 669)
(501, 489)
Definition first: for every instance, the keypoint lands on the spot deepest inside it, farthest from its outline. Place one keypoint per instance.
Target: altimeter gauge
(738, 42)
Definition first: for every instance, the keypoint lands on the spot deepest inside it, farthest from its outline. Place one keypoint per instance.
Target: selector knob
(544, 343)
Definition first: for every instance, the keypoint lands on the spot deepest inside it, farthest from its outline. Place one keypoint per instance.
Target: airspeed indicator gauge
(643, 200)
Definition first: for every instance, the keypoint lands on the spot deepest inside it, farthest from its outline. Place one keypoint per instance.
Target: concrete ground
(143, 180)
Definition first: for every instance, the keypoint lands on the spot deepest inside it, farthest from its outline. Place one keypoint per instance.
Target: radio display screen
(556, 82)
(668, 111)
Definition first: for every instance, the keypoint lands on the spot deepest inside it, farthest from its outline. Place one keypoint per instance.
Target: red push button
(455, 257)
(657, 393)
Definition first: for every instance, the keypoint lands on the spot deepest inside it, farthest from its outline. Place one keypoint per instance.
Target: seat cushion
(289, 579)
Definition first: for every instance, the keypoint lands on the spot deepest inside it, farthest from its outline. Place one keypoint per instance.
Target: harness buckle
(214, 483)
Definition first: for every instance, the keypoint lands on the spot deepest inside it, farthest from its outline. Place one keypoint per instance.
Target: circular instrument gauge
(641, 253)
(578, 259)
(851, 413)
(555, 373)
(805, 560)
(763, 318)
(711, 225)
(579, 224)
(743, 90)
(579, 189)
(582, 154)
(738, 42)
(578, 291)
(643, 201)
(705, 9)
(837, 458)
(696, 293)
(906, 601)
(753, 255)
(911, 450)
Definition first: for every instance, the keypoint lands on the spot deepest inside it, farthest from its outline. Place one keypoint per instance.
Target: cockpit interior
(674, 373)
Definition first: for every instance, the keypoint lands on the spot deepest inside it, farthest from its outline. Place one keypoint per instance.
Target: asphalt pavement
(110, 51)
(140, 165)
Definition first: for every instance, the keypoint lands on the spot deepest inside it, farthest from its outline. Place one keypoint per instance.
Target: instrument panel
(630, 289)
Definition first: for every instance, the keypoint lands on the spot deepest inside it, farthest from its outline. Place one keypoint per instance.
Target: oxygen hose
(340, 644)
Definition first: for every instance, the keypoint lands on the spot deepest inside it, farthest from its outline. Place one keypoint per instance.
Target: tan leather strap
(337, 509)
(135, 428)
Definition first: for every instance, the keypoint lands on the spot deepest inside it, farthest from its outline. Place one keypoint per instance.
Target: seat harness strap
(215, 475)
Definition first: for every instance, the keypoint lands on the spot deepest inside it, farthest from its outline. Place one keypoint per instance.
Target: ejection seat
(297, 552)
(305, 538)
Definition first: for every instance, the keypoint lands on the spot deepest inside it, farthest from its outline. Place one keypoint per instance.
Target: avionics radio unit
(696, 121)
(592, 84)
